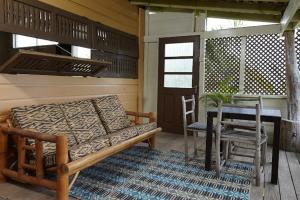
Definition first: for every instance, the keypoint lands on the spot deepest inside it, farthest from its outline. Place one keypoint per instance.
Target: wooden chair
(241, 101)
(239, 135)
(194, 126)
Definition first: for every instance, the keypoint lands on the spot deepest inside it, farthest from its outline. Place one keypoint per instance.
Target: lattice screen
(298, 46)
(265, 65)
(222, 64)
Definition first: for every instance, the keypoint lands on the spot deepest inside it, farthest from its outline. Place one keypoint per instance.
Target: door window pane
(178, 81)
(178, 65)
(179, 49)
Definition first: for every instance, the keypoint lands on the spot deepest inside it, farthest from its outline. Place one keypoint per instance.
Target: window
(178, 65)
(218, 24)
(20, 41)
(81, 52)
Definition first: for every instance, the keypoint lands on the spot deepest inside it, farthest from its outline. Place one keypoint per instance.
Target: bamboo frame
(63, 168)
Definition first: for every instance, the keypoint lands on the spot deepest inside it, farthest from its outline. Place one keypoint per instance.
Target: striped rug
(141, 173)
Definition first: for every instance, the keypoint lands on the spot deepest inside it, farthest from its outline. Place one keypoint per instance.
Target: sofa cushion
(112, 113)
(47, 118)
(83, 120)
(88, 147)
(143, 128)
(122, 135)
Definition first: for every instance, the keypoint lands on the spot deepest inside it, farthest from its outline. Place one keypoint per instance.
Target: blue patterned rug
(141, 173)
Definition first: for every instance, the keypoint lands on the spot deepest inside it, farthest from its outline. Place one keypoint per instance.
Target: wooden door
(178, 75)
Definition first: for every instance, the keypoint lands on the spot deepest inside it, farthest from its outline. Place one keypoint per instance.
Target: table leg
(209, 134)
(275, 153)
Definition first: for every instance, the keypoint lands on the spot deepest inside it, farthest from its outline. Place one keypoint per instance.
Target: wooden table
(267, 115)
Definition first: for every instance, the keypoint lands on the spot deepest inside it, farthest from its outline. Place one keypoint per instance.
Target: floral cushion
(88, 147)
(112, 113)
(83, 120)
(44, 119)
(122, 135)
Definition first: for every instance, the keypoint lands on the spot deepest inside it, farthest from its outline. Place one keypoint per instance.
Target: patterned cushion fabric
(112, 113)
(81, 150)
(83, 120)
(123, 135)
(44, 119)
(143, 128)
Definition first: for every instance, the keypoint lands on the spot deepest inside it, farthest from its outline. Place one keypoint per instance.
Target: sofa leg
(62, 181)
(3, 154)
(62, 192)
(152, 142)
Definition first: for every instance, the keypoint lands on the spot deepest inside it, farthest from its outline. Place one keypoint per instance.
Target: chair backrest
(256, 99)
(185, 112)
(257, 108)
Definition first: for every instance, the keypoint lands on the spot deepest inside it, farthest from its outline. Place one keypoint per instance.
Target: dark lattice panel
(265, 65)
(113, 41)
(30, 62)
(122, 66)
(72, 29)
(27, 17)
(297, 46)
(222, 64)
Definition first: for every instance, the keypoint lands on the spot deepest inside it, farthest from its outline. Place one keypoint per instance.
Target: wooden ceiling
(285, 12)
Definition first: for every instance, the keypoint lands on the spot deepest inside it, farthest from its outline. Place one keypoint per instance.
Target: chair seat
(197, 126)
(241, 136)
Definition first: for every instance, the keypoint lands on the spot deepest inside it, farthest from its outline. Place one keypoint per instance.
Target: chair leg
(264, 154)
(230, 146)
(195, 143)
(226, 150)
(186, 145)
(218, 158)
(257, 165)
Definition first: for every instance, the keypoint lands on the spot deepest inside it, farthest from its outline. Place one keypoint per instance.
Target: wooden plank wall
(119, 14)
(18, 90)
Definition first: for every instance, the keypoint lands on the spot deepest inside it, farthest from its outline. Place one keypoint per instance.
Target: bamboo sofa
(66, 138)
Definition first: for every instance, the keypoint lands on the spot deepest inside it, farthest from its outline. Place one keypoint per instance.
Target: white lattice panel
(265, 65)
(222, 62)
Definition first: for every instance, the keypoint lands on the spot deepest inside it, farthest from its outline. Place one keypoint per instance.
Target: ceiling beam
(216, 5)
(289, 14)
(271, 1)
(241, 16)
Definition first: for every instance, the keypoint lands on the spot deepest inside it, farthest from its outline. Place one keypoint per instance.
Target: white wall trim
(256, 30)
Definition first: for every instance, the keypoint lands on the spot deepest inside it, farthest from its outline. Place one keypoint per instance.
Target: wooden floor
(287, 189)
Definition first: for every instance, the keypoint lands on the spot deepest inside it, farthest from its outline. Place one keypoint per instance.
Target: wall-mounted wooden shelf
(32, 62)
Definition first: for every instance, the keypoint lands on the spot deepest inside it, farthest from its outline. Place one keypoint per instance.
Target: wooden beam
(296, 17)
(293, 82)
(141, 35)
(289, 14)
(241, 16)
(240, 7)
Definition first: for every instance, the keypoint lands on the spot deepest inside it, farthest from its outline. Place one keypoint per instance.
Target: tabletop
(266, 112)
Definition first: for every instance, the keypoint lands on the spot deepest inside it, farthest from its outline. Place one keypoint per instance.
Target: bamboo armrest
(28, 134)
(149, 115)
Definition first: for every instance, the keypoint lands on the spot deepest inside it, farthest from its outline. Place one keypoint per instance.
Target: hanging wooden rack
(32, 62)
